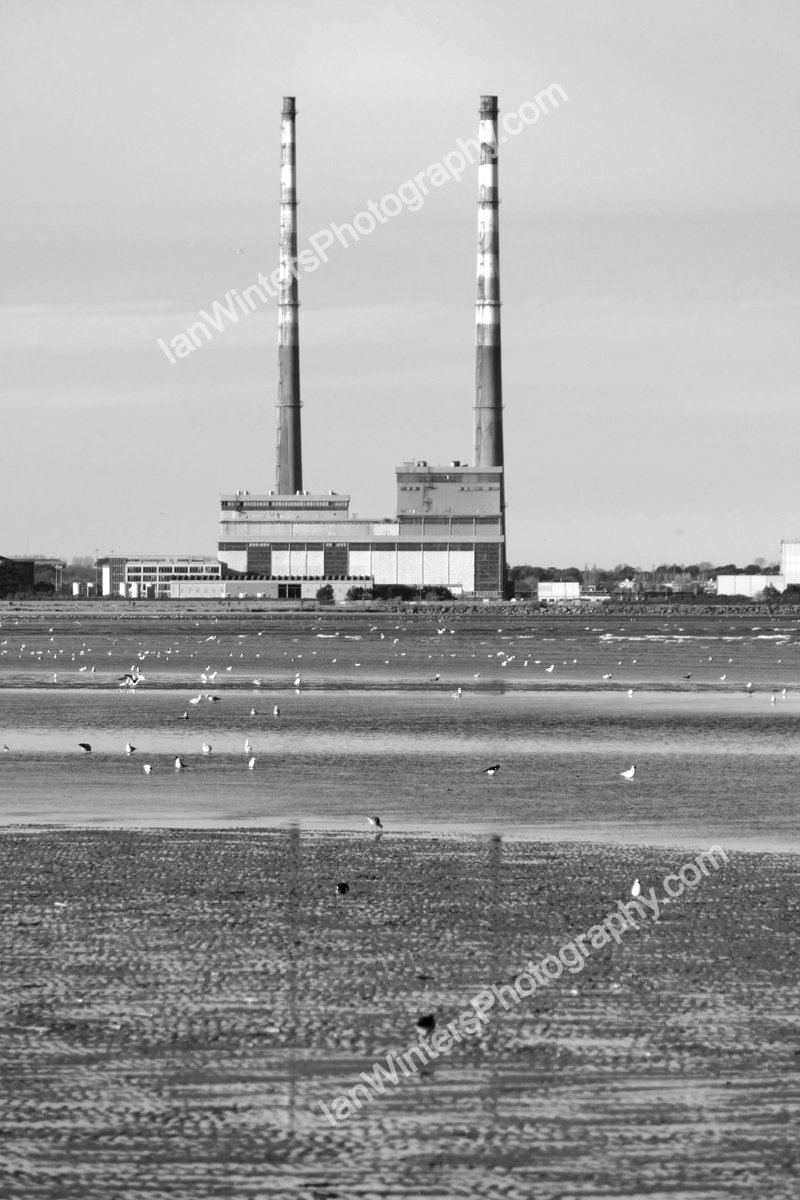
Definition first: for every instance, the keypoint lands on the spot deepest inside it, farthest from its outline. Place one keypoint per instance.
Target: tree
(325, 594)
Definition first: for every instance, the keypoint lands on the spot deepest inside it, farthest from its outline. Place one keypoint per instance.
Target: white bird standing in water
(629, 774)
(206, 748)
(636, 889)
(147, 768)
(178, 763)
(129, 749)
(252, 763)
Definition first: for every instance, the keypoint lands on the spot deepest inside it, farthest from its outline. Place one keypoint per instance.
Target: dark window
(487, 567)
(335, 559)
(259, 560)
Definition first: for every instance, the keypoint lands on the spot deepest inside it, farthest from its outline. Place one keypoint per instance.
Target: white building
(748, 585)
(556, 592)
(790, 562)
(151, 575)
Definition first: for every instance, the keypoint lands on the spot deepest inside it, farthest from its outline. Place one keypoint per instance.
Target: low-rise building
(750, 586)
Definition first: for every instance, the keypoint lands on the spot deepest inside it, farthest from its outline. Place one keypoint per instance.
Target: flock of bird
(179, 764)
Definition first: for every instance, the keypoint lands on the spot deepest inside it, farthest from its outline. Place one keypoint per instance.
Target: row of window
(363, 547)
(440, 477)
(266, 505)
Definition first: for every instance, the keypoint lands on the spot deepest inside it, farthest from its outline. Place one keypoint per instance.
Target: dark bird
(689, 676)
(85, 746)
(376, 821)
(426, 1022)
(342, 889)
(491, 770)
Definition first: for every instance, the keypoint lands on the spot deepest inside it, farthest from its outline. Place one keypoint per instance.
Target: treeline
(702, 572)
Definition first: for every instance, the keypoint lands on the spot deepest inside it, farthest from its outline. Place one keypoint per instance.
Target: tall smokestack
(488, 378)
(288, 457)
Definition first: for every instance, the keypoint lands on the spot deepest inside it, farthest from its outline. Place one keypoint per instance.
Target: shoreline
(550, 837)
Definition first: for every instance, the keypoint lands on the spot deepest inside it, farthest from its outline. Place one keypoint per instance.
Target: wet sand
(176, 1004)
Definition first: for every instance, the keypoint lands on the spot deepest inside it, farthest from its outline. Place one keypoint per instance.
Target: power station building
(449, 528)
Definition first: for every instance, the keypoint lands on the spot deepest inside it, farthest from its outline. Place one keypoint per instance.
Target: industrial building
(155, 576)
(449, 527)
(25, 575)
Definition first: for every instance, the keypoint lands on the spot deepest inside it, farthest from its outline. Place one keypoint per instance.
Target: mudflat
(193, 1013)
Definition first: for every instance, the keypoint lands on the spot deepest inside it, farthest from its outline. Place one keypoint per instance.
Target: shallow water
(708, 767)
(399, 717)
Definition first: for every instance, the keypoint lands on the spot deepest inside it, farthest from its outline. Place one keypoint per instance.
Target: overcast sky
(649, 266)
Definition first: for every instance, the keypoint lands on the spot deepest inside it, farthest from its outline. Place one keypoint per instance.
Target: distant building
(25, 574)
(552, 592)
(748, 585)
(448, 533)
(790, 562)
(151, 576)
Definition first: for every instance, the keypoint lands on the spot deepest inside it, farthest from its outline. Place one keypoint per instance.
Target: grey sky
(649, 239)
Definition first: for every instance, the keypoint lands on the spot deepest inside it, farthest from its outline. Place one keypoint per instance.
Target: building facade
(152, 575)
(448, 532)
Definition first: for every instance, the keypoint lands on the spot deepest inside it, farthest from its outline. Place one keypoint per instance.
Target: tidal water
(399, 718)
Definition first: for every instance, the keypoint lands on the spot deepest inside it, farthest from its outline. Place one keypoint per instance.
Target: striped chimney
(488, 377)
(288, 456)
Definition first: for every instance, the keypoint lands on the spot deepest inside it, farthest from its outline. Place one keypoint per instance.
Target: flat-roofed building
(448, 532)
(790, 562)
(150, 575)
(748, 585)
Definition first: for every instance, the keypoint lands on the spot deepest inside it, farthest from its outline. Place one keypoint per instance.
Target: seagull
(252, 763)
(206, 748)
(426, 1022)
(129, 749)
(276, 712)
(550, 668)
(636, 889)
(247, 746)
(178, 763)
(342, 889)
(196, 699)
(252, 712)
(491, 770)
(213, 699)
(85, 746)
(147, 768)
(183, 717)
(630, 693)
(629, 774)
(607, 676)
(377, 822)
(689, 676)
